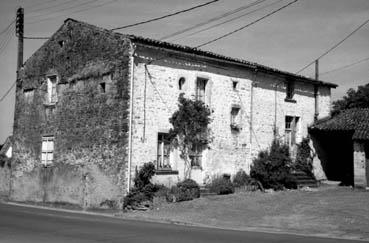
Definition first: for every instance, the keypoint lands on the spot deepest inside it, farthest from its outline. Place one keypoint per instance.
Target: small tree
(190, 128)
(273, 168)
(304, 162)
(353, 99)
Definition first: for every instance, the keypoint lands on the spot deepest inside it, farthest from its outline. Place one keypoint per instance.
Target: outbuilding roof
(355, 120)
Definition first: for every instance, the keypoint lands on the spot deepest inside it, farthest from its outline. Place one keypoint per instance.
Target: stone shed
(342, 146)
(93, 105)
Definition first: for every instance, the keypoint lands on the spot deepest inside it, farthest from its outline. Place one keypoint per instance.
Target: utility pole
(316, 90)
(19, 31)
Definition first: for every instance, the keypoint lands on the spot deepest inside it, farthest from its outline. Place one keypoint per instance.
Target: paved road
(22, 224)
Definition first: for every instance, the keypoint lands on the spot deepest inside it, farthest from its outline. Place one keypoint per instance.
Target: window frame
(163, 152)
(196, 156)
(290, 90)
(52, 92)
(201, 89)
(46, 151)
(181, 83)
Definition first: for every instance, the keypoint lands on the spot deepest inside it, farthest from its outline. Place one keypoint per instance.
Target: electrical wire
(48, 7)
(165, 16)
(213, 19)
(345, 66)
(35, 38)
(245, 26)
(77, 11)
(333, 47)
(30, 7)
(7, 92)
(5, 42)
(237, 17)
(3, 31)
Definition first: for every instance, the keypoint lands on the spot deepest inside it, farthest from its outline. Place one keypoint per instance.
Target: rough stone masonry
(92, 106)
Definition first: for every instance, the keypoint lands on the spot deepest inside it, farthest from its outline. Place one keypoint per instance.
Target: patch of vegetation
(221, 185)
(241, 179)
(353, 99)
(190, 129)
(184, 191)
(304, 162)
(141, 195)
(273, 168)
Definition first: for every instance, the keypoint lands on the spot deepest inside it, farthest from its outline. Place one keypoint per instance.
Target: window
(291, 130)
(200, 89)
(47, 156)
(163, 159)
(196, 156)
(51, 89)
(234, 85)
(290, 90)
(235, 118)
(102, 87)
(181, 82)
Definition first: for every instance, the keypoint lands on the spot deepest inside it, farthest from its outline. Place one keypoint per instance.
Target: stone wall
(260, 96)
(4, 181)
(360, 164)
(89, 121)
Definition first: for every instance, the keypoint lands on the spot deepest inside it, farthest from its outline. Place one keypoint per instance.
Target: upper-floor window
(235, 118)
(200, 88)
(235, 85)
(47, 154)
(290, 90)
(181, 83)
(51, 89)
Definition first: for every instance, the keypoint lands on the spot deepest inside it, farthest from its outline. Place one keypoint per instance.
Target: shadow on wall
(335, 152)
(85, 186)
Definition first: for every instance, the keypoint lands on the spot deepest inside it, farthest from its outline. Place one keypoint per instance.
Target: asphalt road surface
(23, 224)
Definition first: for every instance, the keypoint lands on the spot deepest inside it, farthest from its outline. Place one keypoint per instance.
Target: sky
(287, 40)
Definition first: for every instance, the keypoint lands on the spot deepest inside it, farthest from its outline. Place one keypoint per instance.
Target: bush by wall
(143, 190)
(184, 191)
(221, 185)
(241, 179)
(304, 162)
(273, 168)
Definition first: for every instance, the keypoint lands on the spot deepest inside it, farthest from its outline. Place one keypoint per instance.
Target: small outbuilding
(342, 146)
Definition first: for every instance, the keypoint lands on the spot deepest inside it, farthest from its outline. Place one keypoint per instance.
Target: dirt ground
(327, 211)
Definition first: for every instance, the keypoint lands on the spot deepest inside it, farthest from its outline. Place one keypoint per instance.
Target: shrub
(273, 168)
(241, 179)
(304, 161)
(184, 191)
(144, 175)
(143, 189)
(221, 185)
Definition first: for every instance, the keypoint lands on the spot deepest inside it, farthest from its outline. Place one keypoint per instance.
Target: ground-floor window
(47, 154)
(163, 153)
(291, 126)
(196, 156)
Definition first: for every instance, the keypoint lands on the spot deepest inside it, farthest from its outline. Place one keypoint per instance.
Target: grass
(327, 211)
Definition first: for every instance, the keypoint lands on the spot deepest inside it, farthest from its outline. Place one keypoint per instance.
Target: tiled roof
(355, 120)
(197, 51)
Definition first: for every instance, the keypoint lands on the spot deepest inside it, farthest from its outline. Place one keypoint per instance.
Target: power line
(7, 92)
(245, 26)
(346, 66)
(50, 6)
(165, 16)
(77, 11)
(334, 47)
(212, 19)
(40, 4)
(237, 17)
(5, 42)
(35, 38)
(3, 31)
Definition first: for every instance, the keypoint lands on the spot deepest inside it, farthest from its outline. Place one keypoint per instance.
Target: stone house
(342, 146)
(93, 105)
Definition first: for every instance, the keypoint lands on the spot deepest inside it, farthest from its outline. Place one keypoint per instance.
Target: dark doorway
(335, 151)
